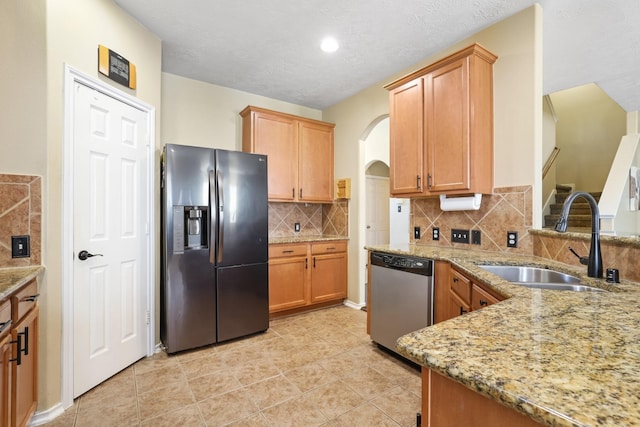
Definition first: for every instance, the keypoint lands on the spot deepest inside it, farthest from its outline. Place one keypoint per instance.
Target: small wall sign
(116, 67)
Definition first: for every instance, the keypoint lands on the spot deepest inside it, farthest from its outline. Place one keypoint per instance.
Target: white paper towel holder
(464, 203)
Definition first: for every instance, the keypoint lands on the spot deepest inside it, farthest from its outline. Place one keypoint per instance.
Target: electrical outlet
(435, 233)
(459, 236)
(476, 237)
(416, 232)
(296, 227)
(512, 239)
(20, 247)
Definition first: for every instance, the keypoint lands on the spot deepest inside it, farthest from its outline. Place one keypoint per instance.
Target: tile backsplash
(20, 214)
(314, 219)
(507, 209)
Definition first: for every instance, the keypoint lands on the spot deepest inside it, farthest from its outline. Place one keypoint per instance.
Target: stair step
(561, 197)
(563, 188)
(576, 209)
(572, 221)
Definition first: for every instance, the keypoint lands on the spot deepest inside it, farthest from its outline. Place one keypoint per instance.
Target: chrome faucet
(594, 262)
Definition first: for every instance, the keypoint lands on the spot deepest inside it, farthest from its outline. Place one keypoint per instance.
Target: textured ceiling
(271, 47)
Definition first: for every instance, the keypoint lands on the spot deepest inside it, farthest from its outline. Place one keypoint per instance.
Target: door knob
(83, 255)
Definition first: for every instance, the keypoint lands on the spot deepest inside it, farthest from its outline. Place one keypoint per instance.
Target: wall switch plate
(416, 232)
(476, 237)
(512, 239)
(435, 233)
(296, 227)
(20, 246)
(459, 236)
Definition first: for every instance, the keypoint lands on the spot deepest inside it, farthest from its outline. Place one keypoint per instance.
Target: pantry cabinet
(441, 127)
(19, 356)
(306, 275)
(299, 154)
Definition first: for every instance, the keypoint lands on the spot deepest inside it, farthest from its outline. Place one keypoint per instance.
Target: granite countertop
(12, 278)
(562, 358)
(305, 239)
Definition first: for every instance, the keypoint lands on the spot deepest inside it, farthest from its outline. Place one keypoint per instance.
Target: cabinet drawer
(24, 300)
(461, 286)
(481, 298)
(279, 251)
(328, 247)
(5, 317)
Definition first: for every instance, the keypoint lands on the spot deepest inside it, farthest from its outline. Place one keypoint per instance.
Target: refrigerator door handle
(212, 217)
(220, 218)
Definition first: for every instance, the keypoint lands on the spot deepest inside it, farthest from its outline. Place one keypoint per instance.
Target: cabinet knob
(483, 302)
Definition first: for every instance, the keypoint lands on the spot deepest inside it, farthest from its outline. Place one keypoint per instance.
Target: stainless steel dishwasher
(401, 296)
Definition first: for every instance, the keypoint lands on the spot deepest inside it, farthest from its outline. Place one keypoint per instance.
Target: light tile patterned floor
(313, 369)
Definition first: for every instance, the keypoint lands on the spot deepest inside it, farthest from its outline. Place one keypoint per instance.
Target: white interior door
(110, 221)
(377, 210)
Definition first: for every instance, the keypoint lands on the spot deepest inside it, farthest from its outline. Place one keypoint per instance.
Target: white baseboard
(352, 304)
(47, 415)
(546, 209)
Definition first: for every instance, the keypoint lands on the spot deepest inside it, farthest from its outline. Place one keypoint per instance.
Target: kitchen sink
(560, 287)
(524, 274)
(539, 278)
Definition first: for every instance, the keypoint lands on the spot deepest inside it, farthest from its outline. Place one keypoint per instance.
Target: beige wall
(517, 121)
(74, 28)
(590, 126)
(206, 115)
(23, 87)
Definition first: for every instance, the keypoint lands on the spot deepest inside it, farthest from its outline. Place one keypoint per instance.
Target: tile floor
(312, 369)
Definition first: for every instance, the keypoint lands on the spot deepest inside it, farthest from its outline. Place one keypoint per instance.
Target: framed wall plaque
(116, 67)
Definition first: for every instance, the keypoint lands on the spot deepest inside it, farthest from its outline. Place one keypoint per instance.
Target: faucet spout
(594, 266)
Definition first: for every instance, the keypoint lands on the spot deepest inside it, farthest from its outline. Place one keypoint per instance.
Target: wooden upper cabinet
(441, 117)
(315, 162)
(299, 154)
(406, 139)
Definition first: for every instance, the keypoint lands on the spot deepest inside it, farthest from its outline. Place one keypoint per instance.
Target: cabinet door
(456, 307)
(315, 162)
(406, 139)
(276, 137)
(5, 380)
(287, 284)
(329, 277)
(447, 127)
(24, 375)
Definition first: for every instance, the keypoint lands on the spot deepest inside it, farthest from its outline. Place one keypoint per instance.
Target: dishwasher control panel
(415, 265)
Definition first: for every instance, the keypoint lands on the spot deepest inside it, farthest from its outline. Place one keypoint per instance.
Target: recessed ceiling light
(329, 44)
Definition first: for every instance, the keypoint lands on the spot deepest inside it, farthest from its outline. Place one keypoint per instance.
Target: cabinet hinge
(147, 317)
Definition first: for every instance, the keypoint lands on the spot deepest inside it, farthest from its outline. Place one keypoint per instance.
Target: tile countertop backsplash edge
(561, 358)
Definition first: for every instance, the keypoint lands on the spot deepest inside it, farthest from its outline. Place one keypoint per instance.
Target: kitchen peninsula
(559, 358)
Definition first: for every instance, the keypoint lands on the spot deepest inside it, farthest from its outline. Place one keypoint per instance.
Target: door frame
(72, 76)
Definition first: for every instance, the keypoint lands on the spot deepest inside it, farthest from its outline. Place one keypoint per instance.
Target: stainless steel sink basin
(523, 274)
(539, 278)
(560, 287)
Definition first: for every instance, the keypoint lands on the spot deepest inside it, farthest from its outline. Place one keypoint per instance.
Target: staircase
(579, 215)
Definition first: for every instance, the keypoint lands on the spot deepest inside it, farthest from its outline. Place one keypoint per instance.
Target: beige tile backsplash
(20, 214)
(315, 219)
(508, 209)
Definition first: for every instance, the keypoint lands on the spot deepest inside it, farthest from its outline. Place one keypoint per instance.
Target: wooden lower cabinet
(19, 356)
(446, 403)
(24, 372)
(457, 294)
(306, 275)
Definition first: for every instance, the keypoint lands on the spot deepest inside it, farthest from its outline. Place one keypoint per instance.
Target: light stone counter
(12, 278)
(562, 358)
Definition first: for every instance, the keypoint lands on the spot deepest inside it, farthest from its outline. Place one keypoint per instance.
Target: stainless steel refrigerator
(214, 260)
